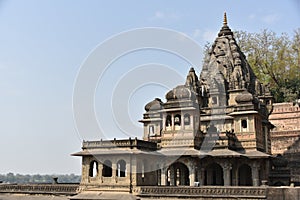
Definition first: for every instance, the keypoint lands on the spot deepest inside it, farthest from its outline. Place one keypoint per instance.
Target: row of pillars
(172, 123)
(115, 170)
(226, 167)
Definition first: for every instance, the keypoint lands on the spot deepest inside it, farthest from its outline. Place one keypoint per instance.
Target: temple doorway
(178, 174)
(245, 175)
(214, 175)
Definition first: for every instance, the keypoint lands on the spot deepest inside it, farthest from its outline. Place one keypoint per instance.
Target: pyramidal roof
(226, 59)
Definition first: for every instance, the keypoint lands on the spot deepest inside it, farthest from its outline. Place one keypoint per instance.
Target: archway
(93, 171)
(245, 175)
(121, 168)
(107, 169)
(214, 175)
(177, 122)
(187, 121)
(178, 174)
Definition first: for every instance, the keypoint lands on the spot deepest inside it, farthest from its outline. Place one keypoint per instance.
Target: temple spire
(225, 30)
(225, 19)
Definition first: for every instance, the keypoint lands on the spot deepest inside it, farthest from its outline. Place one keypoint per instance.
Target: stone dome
(244, 97)
(156, 104)
(180, 92)
(170, 95)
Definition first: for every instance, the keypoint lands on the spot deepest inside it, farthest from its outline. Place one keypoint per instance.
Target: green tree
(275, 59)
(37, 178)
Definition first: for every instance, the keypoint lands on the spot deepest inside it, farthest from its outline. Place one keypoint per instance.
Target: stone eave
(150, 120)
(181, 152)
(253, 154)
(177, 109)
(244, 112)
(116, 151)
(223, 153)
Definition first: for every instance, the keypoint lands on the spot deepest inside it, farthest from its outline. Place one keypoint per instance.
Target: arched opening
(244, 124)
(93, 169)
(212, 129)
(121, 168)
(168, 122)
(214, 100)
(213, 133)
(214, 175)
(178, 174)
(177, 121)
(107, 169)
(187, 120)
(245, 175)
(151, 130)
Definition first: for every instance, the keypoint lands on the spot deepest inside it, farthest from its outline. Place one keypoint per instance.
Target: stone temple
(213, 130)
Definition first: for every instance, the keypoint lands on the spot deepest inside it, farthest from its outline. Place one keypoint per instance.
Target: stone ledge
(61, 189)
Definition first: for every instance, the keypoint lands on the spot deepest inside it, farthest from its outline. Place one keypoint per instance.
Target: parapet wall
(42, 189)
(167, 192)
(220, 193)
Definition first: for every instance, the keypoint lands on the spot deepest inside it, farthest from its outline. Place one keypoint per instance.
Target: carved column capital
(226, 166)
(255, 173)
(226, 173)
(255, 165)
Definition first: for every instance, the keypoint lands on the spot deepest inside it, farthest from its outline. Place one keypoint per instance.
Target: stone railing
(131, 143)
(61, 189)
(205, 191)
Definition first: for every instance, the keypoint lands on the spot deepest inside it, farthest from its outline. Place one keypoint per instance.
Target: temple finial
(225, 19)
(225, 30)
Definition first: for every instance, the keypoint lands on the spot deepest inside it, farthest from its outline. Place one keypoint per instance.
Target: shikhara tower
(212, 130)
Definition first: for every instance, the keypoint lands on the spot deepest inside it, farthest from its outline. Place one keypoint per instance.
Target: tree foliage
(37, 178)
(275, 60)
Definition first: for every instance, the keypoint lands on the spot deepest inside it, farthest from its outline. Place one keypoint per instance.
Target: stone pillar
(265, 170)
(235, 178)
(127, 169)
(192, 122)
(100, 169)
(133, 171)
(181, 122)
(158, 172)
(85, 170)
(226, 173)
(172, 176)
(255, 174)
(172, 122)
(164, 122)
(201, 176)
(163, 176)
(114, 171)
(192, 175)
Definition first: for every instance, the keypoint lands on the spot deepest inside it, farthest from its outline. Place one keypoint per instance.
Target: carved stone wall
(286, 118)
(285, 135)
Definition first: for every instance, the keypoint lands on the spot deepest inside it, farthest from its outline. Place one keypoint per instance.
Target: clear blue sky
(43, 44)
